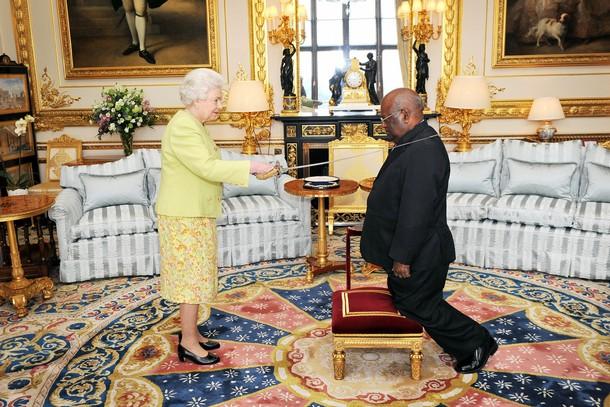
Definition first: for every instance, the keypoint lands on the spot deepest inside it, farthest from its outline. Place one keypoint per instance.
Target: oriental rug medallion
(113, 342)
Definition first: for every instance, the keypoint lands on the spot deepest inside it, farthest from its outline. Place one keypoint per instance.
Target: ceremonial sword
(277, 169)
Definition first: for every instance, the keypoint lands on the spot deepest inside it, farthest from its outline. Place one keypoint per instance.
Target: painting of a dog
(552, 32)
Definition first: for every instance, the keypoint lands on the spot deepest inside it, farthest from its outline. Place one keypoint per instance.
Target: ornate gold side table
(320, 263)
(20, 289)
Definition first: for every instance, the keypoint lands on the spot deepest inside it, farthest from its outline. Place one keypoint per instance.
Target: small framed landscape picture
(14, 97)
(11, 145)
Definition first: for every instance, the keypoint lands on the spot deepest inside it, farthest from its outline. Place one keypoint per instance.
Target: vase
(127, 140)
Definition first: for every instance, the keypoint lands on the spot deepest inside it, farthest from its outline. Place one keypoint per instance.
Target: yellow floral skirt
(189, 271)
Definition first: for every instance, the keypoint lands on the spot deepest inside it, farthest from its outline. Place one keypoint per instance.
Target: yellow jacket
(192, 171)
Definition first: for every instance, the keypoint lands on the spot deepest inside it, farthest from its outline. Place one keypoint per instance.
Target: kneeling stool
(365, 317)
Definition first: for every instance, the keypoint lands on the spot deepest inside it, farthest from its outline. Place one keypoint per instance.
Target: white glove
(258, 167)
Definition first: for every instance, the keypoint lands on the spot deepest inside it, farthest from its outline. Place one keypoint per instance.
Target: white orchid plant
(22, 180)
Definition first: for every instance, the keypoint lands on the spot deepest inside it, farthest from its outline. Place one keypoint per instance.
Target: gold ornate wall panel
(52, 109)
(500, 109)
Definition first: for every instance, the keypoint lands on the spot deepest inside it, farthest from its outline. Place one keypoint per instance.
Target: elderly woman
(188, 205)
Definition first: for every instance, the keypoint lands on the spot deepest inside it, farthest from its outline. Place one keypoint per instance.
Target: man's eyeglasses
(383, 119)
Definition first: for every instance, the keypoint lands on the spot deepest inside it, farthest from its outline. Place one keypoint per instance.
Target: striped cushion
(593, 216)
(468, 206)
(593, 154)
(70, 175)
(491, 151)
(534, 210)
(565, 152)
(256, 208)
(151, 157)
(113, 221)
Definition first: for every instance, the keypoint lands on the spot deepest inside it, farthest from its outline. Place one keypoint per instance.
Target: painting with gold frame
(530, 33)
(102, 41)
(11, 144)
(14, 95)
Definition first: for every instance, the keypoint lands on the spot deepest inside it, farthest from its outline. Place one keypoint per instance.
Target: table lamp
(249, 98)
(468, 95)
(546, 109)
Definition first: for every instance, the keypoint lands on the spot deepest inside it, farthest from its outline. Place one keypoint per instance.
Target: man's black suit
(406, 221)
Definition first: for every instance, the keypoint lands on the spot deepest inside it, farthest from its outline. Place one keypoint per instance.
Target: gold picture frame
(93, 49)
(526, 37)
(14, 94)
(11, 144)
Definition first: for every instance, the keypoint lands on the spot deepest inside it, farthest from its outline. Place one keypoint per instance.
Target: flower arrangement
(122, 111)
(22, 181)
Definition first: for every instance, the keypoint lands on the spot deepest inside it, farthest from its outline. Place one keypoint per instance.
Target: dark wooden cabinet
(306, 136)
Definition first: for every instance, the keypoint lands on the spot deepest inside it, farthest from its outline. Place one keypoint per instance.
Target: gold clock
(354, 85)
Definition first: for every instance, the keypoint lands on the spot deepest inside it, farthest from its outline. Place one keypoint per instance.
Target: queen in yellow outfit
(188, 204)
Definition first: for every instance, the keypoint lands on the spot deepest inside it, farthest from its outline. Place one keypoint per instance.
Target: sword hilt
(274, 172)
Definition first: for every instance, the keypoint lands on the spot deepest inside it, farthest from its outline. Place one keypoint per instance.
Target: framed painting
(14, 95)
(551, 33)
(11, 145)
(123, 38)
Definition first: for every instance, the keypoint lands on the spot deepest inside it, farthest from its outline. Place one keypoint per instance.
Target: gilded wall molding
(602, 138)
(25, 50)
(519, 109)
(500, 109)
(258, 40)
(50, 96)
(49, 118)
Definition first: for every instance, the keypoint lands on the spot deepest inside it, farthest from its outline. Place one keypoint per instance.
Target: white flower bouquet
(122, 111)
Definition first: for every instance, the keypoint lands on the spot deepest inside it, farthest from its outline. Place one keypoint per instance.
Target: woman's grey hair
(198, 83)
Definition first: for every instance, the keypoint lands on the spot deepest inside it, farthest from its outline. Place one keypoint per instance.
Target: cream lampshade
(467, 95)
(546, 109)
(249, 98)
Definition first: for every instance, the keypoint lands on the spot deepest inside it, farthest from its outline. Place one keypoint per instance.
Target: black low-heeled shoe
(208, 345)
(184, 353)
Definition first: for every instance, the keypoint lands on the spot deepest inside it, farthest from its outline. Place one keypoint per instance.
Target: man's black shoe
(147, 56)
(131, 49)
(479, 358)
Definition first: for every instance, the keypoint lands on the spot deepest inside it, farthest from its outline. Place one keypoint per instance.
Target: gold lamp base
(463, 143)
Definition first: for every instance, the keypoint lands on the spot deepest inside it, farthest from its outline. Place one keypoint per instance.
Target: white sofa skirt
(562, 251)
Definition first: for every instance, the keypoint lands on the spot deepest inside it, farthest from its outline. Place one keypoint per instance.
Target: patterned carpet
(113, 342)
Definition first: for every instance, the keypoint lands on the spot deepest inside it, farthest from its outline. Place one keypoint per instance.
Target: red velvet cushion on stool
(369, 310)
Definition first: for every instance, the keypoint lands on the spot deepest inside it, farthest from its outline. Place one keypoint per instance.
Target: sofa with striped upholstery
(532, 206)
(122, 240)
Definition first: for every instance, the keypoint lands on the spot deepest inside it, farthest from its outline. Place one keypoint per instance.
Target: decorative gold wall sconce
(421, 26)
